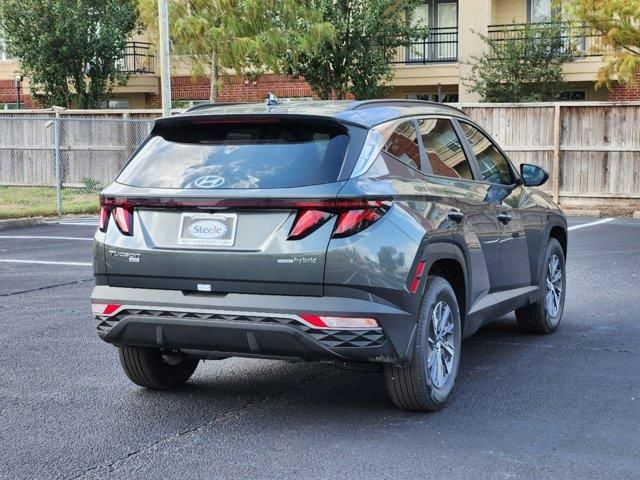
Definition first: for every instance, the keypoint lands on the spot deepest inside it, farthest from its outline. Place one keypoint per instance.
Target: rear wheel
(154, 369)
(545, 314)
(426, 384)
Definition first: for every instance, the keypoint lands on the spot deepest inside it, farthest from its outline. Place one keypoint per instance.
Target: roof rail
(212, 105)
(400, 103)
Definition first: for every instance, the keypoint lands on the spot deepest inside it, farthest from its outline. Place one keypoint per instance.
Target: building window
(540, 11)
(11, 106)
(441, 43)
(434, 97)
(573, 95)
(119, 104)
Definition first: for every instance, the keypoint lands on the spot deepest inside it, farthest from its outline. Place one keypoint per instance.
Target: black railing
(439, 46)
(577, 39)
(137, 59)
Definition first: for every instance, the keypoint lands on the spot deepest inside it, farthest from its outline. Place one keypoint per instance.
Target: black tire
(411, 387)
(148, 368)
(536, 318)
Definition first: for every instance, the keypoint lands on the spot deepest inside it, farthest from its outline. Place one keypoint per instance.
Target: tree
(524, 66)
(367, 34)
(246, 37)
(619, 23)
(68, 48)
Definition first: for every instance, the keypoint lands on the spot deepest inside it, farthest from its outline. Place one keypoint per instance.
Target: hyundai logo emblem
(209, 181)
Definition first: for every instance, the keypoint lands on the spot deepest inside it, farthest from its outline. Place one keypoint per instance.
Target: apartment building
(433, 67)
(429, 68)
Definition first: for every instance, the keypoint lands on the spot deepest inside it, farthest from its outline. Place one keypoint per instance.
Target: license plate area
(208, 229)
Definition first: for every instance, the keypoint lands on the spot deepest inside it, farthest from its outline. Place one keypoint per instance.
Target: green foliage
(619, 23)
(525, 66)
(91, 184)
(68, 48)
(246, 37)
(357, 61)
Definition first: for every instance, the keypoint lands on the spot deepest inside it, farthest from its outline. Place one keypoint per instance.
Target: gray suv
(368, 235)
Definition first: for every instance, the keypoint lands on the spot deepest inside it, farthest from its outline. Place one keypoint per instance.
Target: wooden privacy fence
(591, 149)
(66, 150)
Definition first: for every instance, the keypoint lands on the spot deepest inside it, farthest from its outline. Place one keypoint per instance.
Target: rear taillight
(306, 222)
(103, 219)
(122, 215)
(353, 216)
(355, 221)
(124, 219)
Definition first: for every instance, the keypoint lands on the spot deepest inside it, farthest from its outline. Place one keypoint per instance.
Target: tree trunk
(213, 93)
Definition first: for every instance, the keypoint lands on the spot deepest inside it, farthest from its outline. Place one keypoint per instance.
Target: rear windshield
(269, 153)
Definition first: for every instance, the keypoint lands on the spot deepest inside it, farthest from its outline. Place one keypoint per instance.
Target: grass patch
(19, 202)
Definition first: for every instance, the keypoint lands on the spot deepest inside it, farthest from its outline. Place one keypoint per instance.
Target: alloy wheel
(441, 349)
(553, 295)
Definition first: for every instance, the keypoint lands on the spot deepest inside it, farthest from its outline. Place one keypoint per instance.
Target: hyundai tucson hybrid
(373, 234)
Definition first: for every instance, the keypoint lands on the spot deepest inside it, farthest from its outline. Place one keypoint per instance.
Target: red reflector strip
(415, 283)
(339, 323)
(104, 308)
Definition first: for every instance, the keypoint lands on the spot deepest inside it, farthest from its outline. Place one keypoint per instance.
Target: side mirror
(533, 175)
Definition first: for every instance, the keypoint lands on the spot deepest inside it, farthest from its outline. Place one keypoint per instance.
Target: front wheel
(545, 314)
(154, 369)
(426, 384)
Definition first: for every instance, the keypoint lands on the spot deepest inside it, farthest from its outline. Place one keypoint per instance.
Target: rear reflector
(104, 308)
(321, 321)
(415, 283)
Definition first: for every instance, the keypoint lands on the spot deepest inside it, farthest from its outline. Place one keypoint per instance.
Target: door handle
(455, 215)
(504, 217)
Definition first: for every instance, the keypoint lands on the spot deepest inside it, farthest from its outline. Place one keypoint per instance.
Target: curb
(20, 222)
(569, 212)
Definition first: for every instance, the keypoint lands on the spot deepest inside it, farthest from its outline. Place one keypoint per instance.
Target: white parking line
(44, 262)
(87, 224)
(590, 224)
(32, 237)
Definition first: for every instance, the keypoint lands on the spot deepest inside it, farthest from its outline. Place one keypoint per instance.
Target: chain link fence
(55, 166)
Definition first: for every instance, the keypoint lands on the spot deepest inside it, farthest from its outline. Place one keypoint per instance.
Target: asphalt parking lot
(559, 406)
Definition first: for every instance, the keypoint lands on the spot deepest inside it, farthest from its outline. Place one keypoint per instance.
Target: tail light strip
(354, 215)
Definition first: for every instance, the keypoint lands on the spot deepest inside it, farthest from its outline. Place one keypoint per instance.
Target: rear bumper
(252, 325)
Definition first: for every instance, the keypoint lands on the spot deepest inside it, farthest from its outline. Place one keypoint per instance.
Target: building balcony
(439, 46)
(577, 39)
(137, 59)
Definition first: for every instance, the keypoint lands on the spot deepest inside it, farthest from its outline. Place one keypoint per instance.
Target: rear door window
(402, 144)
(444, 149)
(494, 167)
(237, 153)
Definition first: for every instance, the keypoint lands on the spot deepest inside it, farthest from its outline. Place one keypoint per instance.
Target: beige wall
(474, 16)
(8, 70)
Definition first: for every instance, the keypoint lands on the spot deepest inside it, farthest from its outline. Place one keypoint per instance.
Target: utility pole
(165, 66)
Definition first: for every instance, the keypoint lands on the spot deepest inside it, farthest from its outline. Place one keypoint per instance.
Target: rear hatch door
(209, 205)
